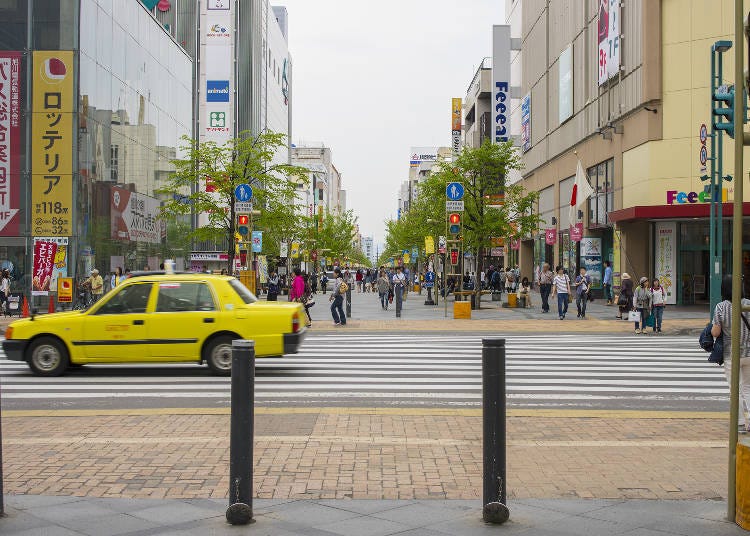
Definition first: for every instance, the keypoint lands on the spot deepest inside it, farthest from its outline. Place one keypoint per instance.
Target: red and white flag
(582, 190)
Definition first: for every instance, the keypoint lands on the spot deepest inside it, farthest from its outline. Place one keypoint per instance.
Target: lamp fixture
(554, 221)
(652, 110)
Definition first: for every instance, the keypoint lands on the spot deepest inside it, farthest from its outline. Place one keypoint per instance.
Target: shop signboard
(50, 263)
(609, 40)
(526, 122)
(665, 258)
(591, 259)
(65, 290)
(616, 279)
(52, 143)
(10, 143)
(501, 82)
(135, 217)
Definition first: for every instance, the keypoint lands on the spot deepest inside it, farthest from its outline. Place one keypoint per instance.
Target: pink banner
(576, 232)
(44, 263)
(10, 142)
(515, 243)
(550, 236)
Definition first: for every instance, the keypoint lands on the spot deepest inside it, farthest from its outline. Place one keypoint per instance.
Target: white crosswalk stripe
(542, 370)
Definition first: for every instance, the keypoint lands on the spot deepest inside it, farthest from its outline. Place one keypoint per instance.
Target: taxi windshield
(242, 291)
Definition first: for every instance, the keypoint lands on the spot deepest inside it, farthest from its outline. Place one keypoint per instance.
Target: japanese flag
(582, 190)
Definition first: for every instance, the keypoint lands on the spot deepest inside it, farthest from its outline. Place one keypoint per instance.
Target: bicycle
(84, 300)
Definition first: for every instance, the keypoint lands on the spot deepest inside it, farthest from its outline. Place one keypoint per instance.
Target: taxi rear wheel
(218, 355)
(48, 357)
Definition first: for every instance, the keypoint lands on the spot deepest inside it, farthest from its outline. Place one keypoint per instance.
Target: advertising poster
(591, 259)
(50, 263)
(456, 125)
(609, 39)
(52, 143)
(10, 142)
(665, 257)
(134, 217)
(263, 269)
(257, 241)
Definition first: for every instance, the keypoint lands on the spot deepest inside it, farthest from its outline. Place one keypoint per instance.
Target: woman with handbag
(642, 305)
(722, 325)
(625, 301)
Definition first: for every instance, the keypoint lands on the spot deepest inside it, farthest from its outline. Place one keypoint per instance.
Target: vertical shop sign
(526, 122)
(52, 143)
(10, 140)
(616, 279)
(501, 81)
(456, 125)
(609, 39)
(591, 259)
(666, 257)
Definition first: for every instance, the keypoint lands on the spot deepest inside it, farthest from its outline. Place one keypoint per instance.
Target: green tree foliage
(243, 160)
(492, 208)
(334, 238)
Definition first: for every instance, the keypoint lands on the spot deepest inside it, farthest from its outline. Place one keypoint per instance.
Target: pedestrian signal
(243, 224)
(454, 257)
(454, 220)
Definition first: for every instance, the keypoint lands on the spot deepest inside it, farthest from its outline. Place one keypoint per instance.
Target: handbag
(650, 320)
(310, 302)
(622, 301)
(634, 316)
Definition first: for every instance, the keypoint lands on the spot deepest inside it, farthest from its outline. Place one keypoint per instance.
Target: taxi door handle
(137, 322)
(208, 320)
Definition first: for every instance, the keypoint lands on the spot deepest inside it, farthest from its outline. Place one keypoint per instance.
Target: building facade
(100, 95)
(625, 90)
(323, 192)
(422, 161)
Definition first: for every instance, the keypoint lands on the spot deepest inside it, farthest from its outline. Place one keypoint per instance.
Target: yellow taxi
(157, 318)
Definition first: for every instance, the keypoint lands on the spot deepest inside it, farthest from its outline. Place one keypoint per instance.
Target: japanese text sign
(44, 263)
(10, 139)
(52, 143)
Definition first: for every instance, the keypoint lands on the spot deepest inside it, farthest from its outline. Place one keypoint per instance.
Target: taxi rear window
(242, 291)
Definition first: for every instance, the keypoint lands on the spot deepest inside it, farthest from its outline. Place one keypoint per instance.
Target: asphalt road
(406, 370)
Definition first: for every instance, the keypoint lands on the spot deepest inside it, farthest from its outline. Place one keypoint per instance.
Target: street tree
(492, 208)
(204, 183)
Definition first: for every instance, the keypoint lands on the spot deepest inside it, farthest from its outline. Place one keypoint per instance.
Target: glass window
(242, 291)
(130, 299)
(177, 296)
(602, 200)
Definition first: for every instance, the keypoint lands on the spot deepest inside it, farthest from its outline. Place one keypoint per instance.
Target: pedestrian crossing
(546, 371)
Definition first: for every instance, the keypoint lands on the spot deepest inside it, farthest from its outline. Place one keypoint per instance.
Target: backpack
(709, 344)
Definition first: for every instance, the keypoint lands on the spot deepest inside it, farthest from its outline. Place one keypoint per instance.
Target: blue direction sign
(243, 192)
(429, 279)
(454, 191)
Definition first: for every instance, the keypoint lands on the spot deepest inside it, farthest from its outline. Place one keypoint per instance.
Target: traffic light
(243, 224)
(454, 257)
(454, 220)
(724, 112)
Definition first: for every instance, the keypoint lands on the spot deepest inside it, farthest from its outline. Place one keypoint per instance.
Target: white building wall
(277, 85)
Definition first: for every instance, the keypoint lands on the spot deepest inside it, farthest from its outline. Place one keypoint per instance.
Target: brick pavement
(339, 453)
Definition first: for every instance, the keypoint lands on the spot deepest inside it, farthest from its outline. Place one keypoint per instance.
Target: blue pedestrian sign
(454, 191)
(429, 279)
(243, 192)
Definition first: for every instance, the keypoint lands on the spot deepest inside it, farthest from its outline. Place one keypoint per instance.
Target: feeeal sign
(501, 81)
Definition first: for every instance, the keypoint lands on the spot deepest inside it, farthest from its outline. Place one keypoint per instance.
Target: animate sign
(681, 198)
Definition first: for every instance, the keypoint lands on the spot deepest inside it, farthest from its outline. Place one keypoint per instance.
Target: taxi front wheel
(48, 356)
(218, 355)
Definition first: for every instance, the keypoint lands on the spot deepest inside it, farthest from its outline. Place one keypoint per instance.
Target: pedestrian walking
(314, 282)
(337, 298)
(359, 278)
(546, 276)
(95, 284)
(273, 286)
(561, 288)
(659, 297)
(722, 325)
(607, 282)
(383, 286)
(583, 286)
(4, 290)
(625, 301)
(297, 290)
(642, 303)
(324, 282)
(307, 298)
(399, 283)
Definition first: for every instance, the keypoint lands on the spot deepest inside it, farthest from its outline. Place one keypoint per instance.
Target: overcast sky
(372, 79)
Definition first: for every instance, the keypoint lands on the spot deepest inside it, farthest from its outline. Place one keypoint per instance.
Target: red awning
(672, 212)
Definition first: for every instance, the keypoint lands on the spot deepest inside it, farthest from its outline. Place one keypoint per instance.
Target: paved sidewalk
(62, 516)
(365, 453)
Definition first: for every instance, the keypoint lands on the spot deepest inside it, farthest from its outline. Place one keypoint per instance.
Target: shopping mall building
(625, 88)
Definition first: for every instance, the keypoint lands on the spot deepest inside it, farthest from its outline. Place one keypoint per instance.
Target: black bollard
(240, 511)
(494, 480)
(2, 498)
(349, 303)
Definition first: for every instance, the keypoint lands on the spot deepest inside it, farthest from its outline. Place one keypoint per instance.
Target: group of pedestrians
(645, 300)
